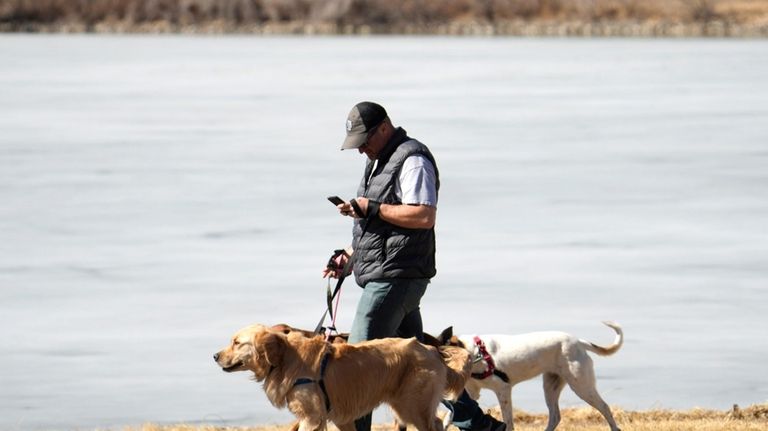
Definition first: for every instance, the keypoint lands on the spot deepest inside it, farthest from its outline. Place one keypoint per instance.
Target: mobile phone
(335, 200)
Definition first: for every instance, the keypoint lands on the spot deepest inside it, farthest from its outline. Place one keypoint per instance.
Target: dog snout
(216, 356)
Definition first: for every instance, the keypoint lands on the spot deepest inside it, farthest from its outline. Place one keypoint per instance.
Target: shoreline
(751, 418)
(712, 29)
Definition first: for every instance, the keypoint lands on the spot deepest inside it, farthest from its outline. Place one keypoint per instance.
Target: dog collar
(490, 366)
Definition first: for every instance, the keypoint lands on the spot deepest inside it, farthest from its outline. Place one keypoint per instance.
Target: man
(393, 239)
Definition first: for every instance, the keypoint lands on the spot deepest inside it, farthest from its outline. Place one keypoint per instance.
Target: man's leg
(380, 312)
(410, 324)
(377, 315)
(466, 411)
(468, 416)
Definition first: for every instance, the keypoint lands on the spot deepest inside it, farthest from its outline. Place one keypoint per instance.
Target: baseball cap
(361, 120)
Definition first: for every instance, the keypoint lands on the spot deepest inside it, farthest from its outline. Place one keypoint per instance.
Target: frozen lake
(159, 193)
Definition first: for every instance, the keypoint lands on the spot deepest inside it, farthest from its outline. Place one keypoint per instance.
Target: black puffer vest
(383, 250)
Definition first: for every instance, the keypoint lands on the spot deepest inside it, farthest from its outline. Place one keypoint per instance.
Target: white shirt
(416, 182)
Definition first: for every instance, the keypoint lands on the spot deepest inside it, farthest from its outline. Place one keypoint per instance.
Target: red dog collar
(490, 365)
(490, 368)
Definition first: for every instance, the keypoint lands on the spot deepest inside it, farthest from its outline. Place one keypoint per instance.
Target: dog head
(254, 348)
(446, 338)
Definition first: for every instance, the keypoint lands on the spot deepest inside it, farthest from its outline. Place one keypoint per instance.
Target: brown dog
(342, 337)
(320, 381)
(333, 338)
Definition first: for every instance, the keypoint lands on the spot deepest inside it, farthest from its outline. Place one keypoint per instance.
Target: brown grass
(752, 418)
(393, 14)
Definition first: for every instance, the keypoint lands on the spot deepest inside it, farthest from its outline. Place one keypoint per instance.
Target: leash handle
(329, 296)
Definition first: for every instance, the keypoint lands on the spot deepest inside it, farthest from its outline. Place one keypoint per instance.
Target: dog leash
(346, 270)
(329, 296)
(490, 369)
(329, 308)
(337, 294)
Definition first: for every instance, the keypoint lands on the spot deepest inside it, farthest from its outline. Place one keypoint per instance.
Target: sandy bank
(752, 418)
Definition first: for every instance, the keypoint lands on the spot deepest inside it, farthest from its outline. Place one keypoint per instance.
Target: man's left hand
(362, 202)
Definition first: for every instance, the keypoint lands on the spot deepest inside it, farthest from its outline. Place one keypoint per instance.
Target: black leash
(330, 296)
(346, 270)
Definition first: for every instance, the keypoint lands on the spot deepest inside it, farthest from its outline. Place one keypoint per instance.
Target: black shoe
(497, 425)
(491, 424)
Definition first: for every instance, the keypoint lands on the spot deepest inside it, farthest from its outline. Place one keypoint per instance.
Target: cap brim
(354, 141)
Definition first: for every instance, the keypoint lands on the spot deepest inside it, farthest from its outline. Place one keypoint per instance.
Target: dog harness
(320, 382)
(490, 366)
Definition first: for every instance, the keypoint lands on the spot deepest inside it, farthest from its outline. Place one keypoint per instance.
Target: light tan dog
(320, 381)
(505, 360)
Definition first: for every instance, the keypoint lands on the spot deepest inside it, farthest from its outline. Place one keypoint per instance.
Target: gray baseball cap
(361, 120)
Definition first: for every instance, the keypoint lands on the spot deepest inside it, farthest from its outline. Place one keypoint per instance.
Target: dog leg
(308, 425)
(504, 395)
(448, 417)
(553, 386)
(582, 381)
(349, 426)
(593, 399)
(420, 415)
(422, 421)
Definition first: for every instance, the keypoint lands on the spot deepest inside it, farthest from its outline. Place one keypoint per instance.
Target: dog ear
(274, 346)
(445, 336)
(282, 327)
(454, 341)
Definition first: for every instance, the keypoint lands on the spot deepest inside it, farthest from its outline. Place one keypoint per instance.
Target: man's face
(374, 143)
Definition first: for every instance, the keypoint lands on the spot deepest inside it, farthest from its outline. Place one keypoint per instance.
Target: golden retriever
(333, 338)
(429, 340)
(320, 381)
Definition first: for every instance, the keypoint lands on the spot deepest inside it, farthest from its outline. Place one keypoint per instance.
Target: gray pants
(388, 309)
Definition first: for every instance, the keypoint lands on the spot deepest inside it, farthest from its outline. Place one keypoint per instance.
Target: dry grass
(587, 419)
(753, 418)
(393, 13)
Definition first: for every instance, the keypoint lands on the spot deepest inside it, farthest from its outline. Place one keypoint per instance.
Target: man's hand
(336, 263)
(346, 209)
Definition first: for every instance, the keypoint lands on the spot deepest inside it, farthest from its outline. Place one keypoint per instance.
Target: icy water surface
(159, 193)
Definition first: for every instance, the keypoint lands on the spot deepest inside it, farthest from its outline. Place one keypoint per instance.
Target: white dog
(502, 361)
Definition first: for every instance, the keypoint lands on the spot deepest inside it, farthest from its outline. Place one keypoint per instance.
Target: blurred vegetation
(379, 16)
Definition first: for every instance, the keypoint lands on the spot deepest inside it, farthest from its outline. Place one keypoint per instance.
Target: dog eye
(235, 342)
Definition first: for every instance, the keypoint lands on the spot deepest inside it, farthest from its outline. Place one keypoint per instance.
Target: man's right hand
(336, 264)
(346, 209)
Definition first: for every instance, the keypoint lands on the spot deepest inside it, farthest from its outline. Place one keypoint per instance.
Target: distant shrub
(376, 12)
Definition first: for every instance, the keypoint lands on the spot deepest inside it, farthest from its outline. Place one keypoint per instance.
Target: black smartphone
(335, 200)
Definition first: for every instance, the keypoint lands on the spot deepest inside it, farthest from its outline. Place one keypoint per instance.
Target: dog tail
(458, 367)
(613, 348)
